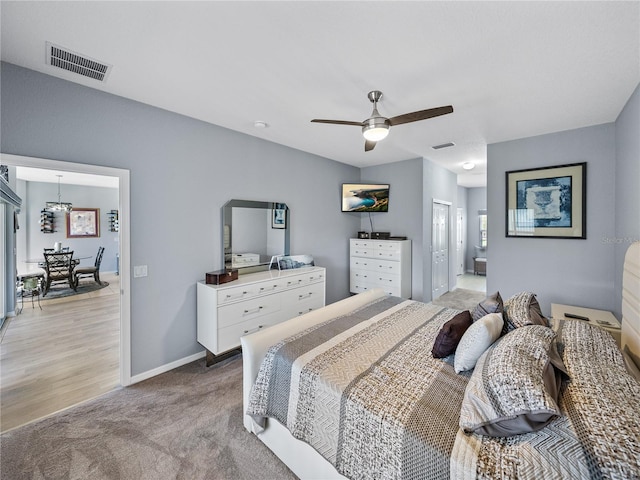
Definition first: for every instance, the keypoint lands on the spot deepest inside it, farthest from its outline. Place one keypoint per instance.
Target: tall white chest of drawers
(380, 263)
(253, 302)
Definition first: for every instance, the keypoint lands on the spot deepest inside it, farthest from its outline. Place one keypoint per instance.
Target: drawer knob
(254, 310)
(254, 329)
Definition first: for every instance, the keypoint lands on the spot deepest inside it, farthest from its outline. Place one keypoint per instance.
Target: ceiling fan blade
(337, 122)
(420, 115)
(369, 145)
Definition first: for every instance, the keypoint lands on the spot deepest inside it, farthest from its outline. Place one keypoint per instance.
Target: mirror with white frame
(252, 233)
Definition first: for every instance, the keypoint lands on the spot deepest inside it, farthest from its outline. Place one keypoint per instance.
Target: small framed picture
(83, 223)
(548, 202)
(279, 218)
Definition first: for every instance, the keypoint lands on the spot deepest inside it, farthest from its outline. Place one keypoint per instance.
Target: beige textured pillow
(515, 386)
(478, 337)
(523, 309)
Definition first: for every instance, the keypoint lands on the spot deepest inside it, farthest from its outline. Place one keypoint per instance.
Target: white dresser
(252, 302)
(381, 263)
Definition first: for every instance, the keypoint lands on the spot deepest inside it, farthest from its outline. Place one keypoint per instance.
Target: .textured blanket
(596, 437)
(364, 390)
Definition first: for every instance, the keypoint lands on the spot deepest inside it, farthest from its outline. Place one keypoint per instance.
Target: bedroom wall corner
(440, 184)
(627, 193)
(405, 210)
(568, 271)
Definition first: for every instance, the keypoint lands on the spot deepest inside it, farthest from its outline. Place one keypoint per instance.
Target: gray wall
(31, 240)
(476, 200)
(405, 210)
(627, 191)
(438, 184)
(414, 185)
(182, 172)
(462, 200)
(569, 271)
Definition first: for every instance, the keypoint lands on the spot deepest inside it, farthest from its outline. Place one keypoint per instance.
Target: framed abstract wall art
(83, 223)
(548, 202)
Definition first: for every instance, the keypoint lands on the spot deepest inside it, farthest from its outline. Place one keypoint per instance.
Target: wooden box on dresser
(253, 302)
(381, 263)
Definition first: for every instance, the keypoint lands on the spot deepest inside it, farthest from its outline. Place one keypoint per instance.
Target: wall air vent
(443, 145)
(61, 57)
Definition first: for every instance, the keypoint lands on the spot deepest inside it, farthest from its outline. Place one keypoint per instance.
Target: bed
(353, 391)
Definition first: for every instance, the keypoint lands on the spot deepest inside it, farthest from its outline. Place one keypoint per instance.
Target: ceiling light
(58, 206)
(260, 124)
(375, 129)
(468, 165)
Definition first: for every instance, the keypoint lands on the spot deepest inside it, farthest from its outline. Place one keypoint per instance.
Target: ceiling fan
(376, 127)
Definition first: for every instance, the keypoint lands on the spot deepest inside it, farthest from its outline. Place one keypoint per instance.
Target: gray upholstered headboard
(631, 301)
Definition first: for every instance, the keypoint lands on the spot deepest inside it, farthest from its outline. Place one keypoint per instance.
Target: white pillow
(478, 337)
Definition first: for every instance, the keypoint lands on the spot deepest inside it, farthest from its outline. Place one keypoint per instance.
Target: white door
(460, 242)
(440, 250)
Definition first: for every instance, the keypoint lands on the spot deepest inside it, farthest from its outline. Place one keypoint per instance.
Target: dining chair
(90, 271)
(58, 268)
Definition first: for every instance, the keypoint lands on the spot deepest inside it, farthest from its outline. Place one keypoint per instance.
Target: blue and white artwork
(547, 200)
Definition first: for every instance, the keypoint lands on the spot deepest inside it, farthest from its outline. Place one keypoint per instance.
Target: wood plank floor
(59, 356)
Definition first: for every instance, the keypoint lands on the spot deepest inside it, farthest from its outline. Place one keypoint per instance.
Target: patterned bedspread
(364, 390)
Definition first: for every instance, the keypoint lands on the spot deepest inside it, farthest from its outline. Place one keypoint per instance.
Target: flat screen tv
(365, 197)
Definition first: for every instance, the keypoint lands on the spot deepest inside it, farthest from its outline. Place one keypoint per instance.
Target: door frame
(124, 246)
(449, 206)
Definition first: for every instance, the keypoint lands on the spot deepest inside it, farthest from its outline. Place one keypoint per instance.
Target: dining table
(35, 267)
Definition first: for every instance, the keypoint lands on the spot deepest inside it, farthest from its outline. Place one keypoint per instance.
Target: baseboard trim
(165, 368)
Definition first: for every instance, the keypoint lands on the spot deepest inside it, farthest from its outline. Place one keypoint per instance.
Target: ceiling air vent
(443, 145)
(77, 63)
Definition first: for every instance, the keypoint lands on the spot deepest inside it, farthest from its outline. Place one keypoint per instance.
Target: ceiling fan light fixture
(375, 129)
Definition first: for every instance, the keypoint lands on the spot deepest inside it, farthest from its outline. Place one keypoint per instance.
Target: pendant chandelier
(59, 206)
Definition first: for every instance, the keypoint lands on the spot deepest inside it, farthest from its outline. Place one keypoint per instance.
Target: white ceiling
(31, 174)
(510, 69)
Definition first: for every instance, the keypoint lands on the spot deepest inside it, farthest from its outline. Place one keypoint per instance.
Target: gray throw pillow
(492, 304)
(515, 386)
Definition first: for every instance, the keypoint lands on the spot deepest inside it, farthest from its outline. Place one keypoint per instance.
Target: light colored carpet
(183, 424)
(460, 299)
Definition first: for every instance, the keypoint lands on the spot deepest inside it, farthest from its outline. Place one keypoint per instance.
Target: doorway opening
(82, 318)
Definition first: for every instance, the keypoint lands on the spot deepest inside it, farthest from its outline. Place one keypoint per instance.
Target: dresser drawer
(388, 254)
(359, 263)
(241, 312)
(242, 292)
(229, 337)
(361, 243)
(362, 276)
(387, 246)
(387, 280)
(361, 251)
(386, 266)
(305, 279)
(361, 287)
(304, 299)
